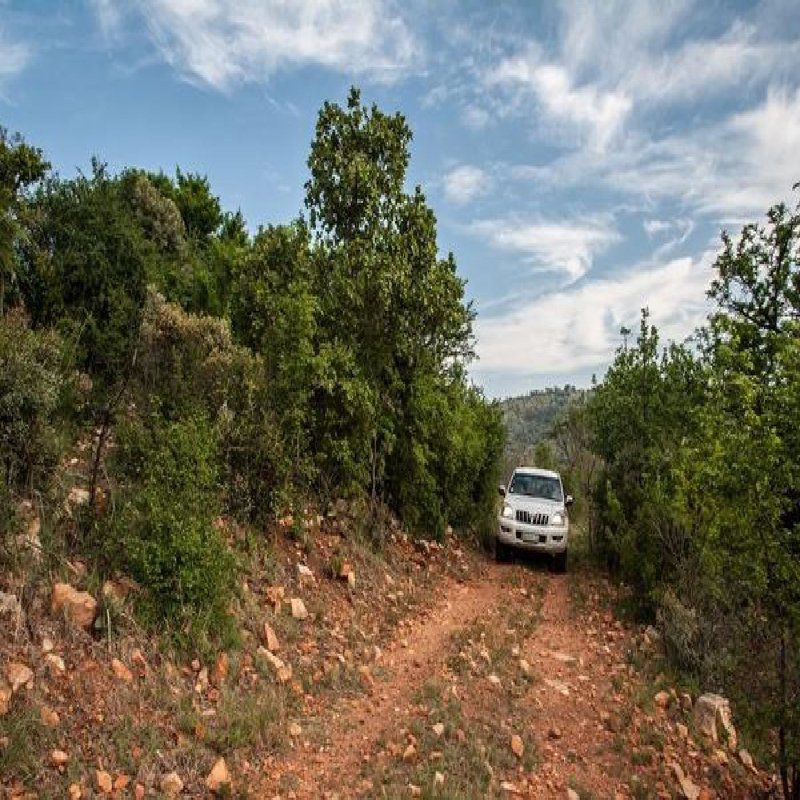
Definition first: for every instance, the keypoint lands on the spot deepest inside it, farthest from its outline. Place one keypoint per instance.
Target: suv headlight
(557, 518)
(508, 512)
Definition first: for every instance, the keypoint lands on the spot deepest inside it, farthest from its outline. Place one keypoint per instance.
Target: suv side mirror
(502, 489)
(568, 500)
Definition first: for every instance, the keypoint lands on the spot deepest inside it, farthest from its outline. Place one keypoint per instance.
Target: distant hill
(530, 419)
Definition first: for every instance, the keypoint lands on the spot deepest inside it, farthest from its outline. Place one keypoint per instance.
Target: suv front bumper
(550, 539)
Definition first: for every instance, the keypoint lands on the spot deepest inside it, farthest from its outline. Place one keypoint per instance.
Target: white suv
(534, 515)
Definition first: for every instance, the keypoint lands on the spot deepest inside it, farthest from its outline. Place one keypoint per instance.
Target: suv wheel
(500, 551)
(560, 562)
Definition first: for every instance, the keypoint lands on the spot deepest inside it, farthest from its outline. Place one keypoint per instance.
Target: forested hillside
(531, 419)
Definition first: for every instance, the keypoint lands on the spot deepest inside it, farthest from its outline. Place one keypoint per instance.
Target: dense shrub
(698, 499)
(189, 363)
(243, 375)
(34, 382)
(185, 361)
(84, 270)
(163, 531)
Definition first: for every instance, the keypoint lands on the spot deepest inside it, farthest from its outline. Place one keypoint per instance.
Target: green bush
(699, 500)
(188, 362)
(163, 533)
(34, 379)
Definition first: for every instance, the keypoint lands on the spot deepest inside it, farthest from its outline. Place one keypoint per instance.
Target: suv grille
(532, 519)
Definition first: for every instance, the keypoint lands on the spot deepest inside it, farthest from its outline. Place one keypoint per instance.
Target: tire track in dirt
(351, 728)
(575, 664)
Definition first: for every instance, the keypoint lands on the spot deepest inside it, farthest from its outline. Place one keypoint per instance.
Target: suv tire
(560, 562)
(500, 552)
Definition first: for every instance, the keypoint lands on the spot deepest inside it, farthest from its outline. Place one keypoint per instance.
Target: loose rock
(18, 675)
(221, 668)
(298, 608)
(304, 573)
(103, 781)
(712, 714)
(219, 778)
(11, 607)
(172, 785)
(747, 760)
(49, 717)
(55, 664)
(121, 671)
(283, 672)
(687, 786)
(270, 639)
(662, 699)
(80, 608)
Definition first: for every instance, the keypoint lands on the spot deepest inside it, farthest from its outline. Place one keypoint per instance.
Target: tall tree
(385, 295)
(21, 166)
(86, 271)
(753, 346)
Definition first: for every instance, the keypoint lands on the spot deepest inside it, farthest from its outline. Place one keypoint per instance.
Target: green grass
(27, 739)
(580, 789)
(471, 752)
(248, 720)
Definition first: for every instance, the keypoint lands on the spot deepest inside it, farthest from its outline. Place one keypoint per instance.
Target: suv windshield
(536, 486)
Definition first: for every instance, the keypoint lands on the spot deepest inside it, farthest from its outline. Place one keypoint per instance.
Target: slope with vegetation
(240, 473)
(686, 459)
(531, 421)
(174, 389)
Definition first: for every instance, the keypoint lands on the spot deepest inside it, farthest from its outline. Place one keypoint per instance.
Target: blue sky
(581, 157)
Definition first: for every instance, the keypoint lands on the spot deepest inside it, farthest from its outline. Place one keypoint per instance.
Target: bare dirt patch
(350, 729)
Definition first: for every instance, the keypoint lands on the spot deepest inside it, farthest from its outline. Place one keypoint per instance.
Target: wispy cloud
(222, 43)
(612, 63)
(14, 57)
(734, 167)
(599, 113)
(578, 327)
(109, 14)
(567, 247)
(464, 183)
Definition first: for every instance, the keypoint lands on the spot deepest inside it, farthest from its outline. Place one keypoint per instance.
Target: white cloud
(14, 57)
(568, 247)
(611, 63)
(601, 114)
(642, 49)
(109, 15)
(464, 183)
(578, 328)
(475, 117)
(677, 231)
(655, 227)
(730, 169)
(708, 66)
(225, 42)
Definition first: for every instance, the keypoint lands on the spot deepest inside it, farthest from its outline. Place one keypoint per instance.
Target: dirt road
(504, 686)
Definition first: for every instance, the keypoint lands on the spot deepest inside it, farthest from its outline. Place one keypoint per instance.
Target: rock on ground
(80, 608)
(712, 715)
(219, 778)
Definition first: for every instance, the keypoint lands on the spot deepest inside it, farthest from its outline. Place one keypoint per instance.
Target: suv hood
(536, 505)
